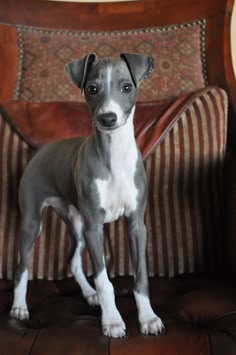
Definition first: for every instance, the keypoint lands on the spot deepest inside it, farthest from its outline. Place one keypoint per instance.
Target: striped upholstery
(184, 170)
(185, 192)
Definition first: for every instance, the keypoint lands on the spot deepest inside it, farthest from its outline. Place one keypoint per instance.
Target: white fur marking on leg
(19, 308)
(150, 323)
(112, 323)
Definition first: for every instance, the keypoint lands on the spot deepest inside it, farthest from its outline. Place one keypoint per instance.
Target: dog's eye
(92, 89)
(127, 88)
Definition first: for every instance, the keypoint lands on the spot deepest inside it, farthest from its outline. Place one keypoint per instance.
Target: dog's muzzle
(107, 120)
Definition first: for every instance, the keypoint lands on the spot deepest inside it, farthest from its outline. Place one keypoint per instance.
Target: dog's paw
(114, 330)
(153, 326)
(20, 313)
(93, 299)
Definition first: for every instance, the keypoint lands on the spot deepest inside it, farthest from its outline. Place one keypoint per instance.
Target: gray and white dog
(91, 182)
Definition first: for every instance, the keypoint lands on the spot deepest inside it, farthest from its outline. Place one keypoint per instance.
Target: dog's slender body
(91, 182)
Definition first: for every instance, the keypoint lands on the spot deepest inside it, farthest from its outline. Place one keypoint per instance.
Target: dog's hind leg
(30, 229)
(89, 293)
(74, 224)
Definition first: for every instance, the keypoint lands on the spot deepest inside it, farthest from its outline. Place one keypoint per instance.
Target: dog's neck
(120, 143)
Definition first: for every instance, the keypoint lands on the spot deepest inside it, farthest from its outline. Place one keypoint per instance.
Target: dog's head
(110, 86)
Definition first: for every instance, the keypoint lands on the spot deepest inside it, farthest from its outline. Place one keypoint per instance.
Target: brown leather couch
(198, 313)
(196, 297)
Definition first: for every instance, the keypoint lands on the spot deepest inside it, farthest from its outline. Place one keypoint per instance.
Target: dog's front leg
(112, 323)
(150, 323)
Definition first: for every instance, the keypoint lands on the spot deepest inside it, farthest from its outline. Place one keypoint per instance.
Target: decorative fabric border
(108, 35)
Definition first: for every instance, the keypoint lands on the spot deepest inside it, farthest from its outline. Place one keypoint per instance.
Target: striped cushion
(184, 171)
(183, 153)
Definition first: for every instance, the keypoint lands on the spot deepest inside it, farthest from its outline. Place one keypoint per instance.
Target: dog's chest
(118, 193)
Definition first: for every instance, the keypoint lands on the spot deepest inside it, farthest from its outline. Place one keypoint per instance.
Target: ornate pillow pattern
(178, 52)
(184, 169)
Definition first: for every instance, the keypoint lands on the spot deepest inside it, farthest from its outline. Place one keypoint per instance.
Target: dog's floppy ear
(140, 66)
(78, 69)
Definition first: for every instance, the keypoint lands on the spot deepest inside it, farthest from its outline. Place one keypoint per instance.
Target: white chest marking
(118, 193)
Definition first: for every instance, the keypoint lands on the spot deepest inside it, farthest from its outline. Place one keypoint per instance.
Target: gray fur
(64, 174)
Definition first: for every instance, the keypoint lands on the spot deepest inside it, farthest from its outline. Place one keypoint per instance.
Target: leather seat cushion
(198, 313)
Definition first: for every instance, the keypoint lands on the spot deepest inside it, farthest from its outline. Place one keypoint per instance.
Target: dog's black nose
(107, 120)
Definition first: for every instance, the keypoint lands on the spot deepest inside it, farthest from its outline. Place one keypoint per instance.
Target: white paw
(21, 313)
(114, 330)
(152, 326)
(93, 299)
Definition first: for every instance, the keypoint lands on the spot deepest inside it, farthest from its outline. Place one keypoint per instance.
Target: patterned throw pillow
(43, 54)
(183, 152)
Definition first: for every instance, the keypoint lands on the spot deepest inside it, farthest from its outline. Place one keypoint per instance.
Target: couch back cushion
(43, 53)
(183, 147)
